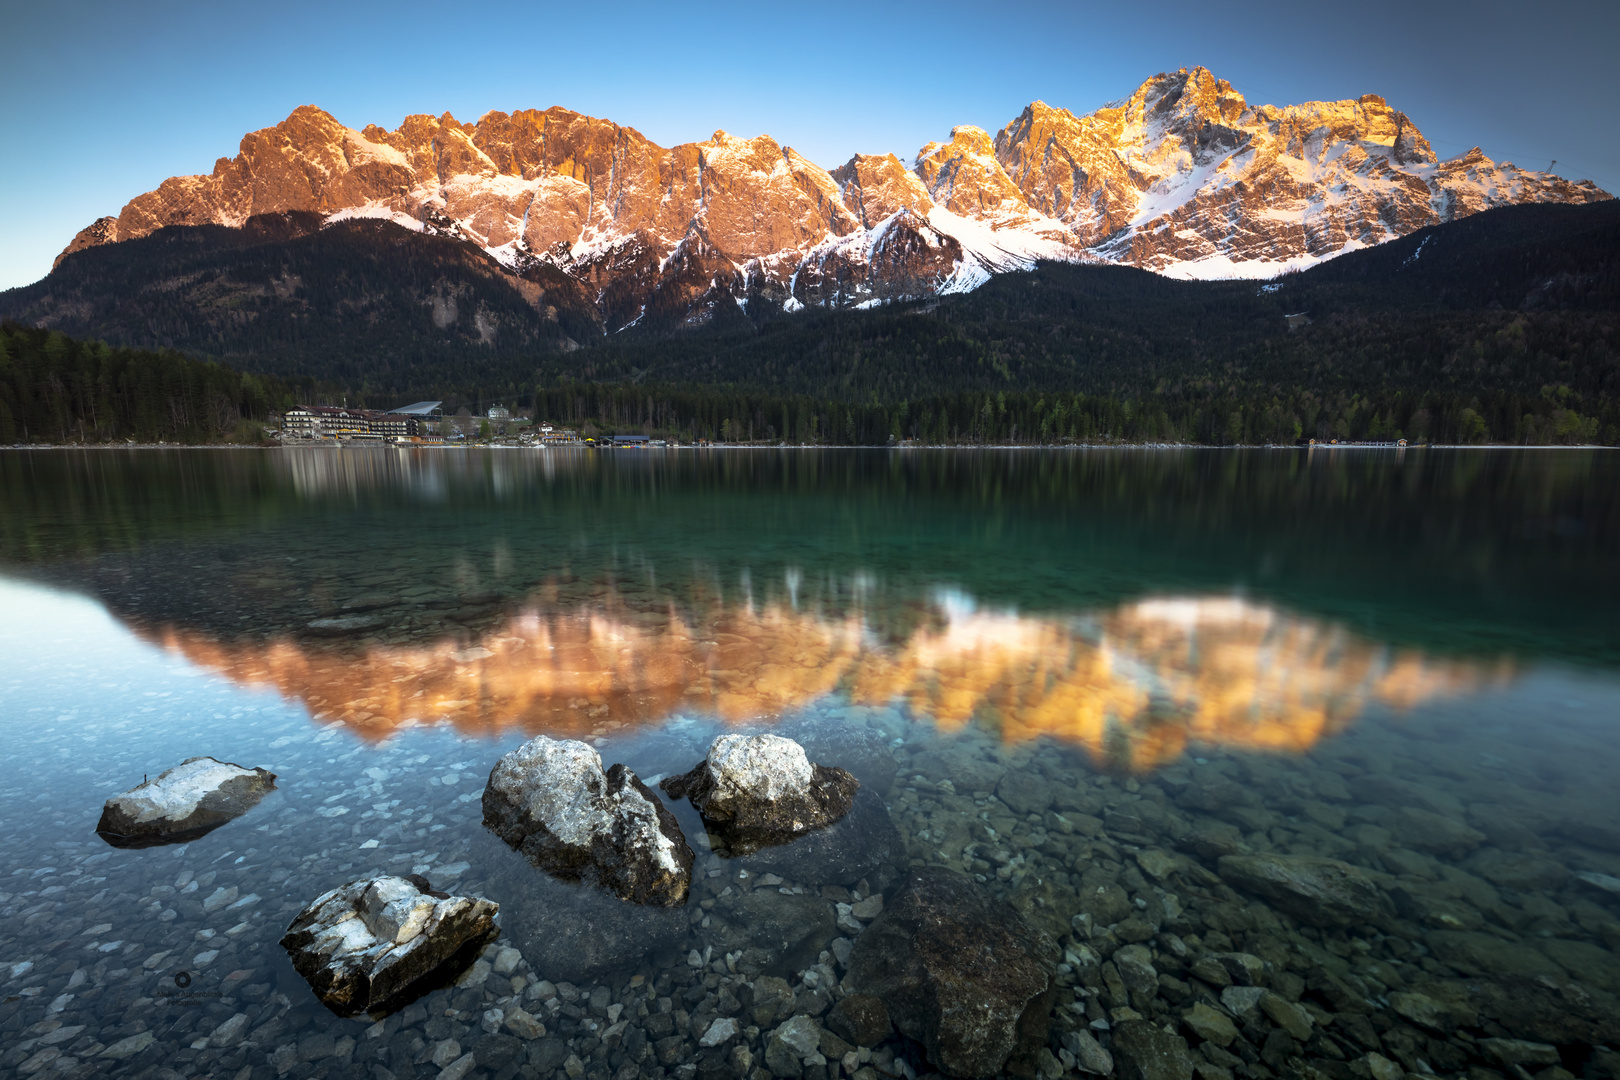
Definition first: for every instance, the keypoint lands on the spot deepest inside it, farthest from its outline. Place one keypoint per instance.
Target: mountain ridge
(1183, 177)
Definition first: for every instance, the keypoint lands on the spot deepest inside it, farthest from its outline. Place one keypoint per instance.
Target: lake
(1141, 701)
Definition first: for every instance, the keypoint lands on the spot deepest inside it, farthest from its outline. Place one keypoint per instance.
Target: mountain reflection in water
(1134, 685)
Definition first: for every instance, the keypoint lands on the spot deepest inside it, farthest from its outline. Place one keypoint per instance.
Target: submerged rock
(1475, 953)
(577, 932)
(862, 844)
(1607, 882)
(183, 803)
(959, 971)
(1322, 892)
(551, 800)
(861, 1019)
(1145, 1051)
(1089, 1055)
(757, 790)
(342, 625)
(775, 933)
(373, 944)
(1549, 1009)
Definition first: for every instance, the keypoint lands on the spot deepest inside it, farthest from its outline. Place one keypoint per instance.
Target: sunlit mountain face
(1135, 686)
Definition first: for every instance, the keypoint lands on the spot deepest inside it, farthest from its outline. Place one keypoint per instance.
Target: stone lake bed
(1376, 909)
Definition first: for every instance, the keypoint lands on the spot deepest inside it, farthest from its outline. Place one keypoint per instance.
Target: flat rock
(767, 999)
(1156, 864)
(862, 844)
(1592, 964)
(1135, 966)
(1089, 1055)
(551, 800)
(1594, 833)
(1243, 1002)
(967, 771)
(1048, 905)
(959, 971)
(576, 932)
(861, 1019)
(343, 625)
(777, 933)
(1548, 1008)
(1145, 1051)
(1520, 1052)
(1606, 882)
(722, 1030)
(790, 1044)
(371, 945)
(1024, 792)
(1435, 833)
(1475, 953)
(1106, 902)
(1322, 892)
(754, 791)
(1292, 1018)
(1520, 871)
(196, 796)
(1210, 1025)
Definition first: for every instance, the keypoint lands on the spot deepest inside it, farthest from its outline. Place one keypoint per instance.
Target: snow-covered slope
(1183, 177)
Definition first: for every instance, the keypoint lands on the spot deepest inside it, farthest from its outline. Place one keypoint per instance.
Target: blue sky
(101, 101)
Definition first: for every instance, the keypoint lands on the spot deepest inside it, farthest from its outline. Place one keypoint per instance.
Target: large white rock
(182, 803)
(747, 768)
(758, 790)
(364, 947)
(551, 800)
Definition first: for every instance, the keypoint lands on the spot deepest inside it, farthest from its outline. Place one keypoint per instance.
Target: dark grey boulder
(551, 800)
(1024, 792)
(862, 844)
(185, 802)
(572, 932)
(374, 944)
(861, 1019)
(765, 1000)
(777, 933)
(1145, 1051)
(1322, 892)
(757, 790)
(959, 971)
(1548, 1008)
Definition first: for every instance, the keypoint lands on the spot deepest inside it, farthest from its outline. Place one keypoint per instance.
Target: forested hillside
(1502, 327)
(57, 390)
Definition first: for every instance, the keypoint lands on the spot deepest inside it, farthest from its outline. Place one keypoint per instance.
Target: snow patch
(374, 210)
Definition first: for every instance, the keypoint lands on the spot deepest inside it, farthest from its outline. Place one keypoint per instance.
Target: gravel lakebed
(1382, 907)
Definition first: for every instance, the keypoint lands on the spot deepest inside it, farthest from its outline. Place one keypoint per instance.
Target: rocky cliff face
(1184, 177)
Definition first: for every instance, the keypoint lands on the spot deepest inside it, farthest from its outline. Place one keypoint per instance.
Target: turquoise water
(1073, 663)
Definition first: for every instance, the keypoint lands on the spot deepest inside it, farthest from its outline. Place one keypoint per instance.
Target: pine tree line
(57, 390)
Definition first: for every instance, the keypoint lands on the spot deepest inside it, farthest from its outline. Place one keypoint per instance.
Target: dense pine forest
(57, 390)
(1503, 327)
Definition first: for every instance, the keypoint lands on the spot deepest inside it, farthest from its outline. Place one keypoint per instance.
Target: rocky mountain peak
(875, 187)
(1183, 176)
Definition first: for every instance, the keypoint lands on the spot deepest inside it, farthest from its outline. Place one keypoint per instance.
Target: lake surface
(1104, 685)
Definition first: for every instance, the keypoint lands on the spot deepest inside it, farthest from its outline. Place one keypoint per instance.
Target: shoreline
(810, 446)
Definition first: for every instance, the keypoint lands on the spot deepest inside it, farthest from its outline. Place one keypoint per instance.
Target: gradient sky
(102, 101)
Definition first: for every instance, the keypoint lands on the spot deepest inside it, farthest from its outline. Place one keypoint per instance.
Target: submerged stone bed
(1198, 929)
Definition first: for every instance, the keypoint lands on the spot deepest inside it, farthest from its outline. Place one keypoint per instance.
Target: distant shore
(800, 446)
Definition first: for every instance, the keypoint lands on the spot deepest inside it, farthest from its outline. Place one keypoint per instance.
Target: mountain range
(597, 229)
